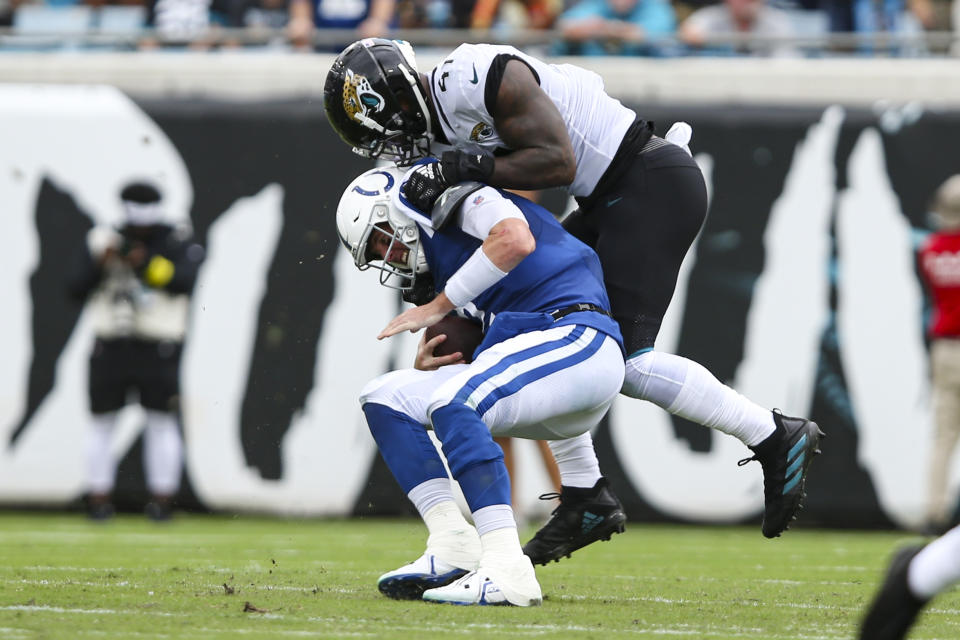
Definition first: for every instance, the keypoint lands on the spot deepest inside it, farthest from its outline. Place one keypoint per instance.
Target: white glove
(680, 134)
(101, 238)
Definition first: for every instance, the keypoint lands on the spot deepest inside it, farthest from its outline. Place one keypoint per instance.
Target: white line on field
(541, 629)
(34, 607)
(646, 578)
(740, 601)
(62, 583)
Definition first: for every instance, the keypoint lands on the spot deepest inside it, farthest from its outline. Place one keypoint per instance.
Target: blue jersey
(561, 271)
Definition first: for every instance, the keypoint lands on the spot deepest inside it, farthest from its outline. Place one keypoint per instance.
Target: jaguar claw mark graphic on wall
(801, 292)
(70, 148)
(63, 174)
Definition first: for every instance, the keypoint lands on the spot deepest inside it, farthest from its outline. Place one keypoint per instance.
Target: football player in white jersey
(548, 368)
(915, 575)
(494, 114)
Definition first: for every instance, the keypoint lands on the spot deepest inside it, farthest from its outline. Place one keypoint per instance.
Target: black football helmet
(374, 100)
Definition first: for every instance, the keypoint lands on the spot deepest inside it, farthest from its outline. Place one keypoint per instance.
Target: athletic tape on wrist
(475, 276)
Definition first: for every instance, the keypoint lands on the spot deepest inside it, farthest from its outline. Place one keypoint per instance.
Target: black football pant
(642, 228)
(147, 368)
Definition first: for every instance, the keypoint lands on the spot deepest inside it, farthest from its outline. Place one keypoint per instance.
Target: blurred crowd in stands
(569, 27)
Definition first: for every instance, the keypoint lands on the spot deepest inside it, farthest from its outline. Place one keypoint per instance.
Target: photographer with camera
(137, 280)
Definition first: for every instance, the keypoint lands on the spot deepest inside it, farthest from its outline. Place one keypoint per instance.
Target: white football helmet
(367, 207)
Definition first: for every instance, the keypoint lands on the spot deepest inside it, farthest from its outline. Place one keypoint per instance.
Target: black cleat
(785, 457)
(159, 510)
(894, 609)
(100, 511)
(584, 516)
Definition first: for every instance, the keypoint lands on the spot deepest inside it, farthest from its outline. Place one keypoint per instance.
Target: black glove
(429, 180)
(424, 186)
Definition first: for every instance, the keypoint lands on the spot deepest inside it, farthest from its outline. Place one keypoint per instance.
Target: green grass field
(246, 577)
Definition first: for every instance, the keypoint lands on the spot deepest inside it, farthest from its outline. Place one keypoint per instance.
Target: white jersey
(596, 123)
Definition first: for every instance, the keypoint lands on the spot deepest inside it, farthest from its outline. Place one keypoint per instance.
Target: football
(463, 335)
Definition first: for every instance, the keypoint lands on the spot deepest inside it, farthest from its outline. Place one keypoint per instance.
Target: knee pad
(657, 377)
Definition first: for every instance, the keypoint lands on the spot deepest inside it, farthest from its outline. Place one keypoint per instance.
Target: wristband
(460, 166)
(474, 276)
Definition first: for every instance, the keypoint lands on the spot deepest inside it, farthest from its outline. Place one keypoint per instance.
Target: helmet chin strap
(415, 85)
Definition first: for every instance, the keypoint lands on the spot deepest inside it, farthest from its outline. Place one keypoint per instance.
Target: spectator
(939, 259)
(138, 281)
(516, 14)
(872, 17)
(739, 17)
(179, 23)
(616, 27)
(370, 19)
(7, 9)
(252, 15)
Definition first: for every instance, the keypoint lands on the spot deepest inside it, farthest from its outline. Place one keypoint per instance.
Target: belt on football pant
(574, 308)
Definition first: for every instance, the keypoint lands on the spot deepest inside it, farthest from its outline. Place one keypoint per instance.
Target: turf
(216, 577)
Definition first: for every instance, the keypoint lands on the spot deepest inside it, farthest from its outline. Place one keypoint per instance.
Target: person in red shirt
(940, 269)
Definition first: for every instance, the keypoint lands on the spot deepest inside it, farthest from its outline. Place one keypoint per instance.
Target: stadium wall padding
(801, 293)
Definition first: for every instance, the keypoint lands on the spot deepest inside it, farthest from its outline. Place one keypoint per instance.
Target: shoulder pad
(449, 200)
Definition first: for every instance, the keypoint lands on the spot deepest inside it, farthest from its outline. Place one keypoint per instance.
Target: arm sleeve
(483, 209)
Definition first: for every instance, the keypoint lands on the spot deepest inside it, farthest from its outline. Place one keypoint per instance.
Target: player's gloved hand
(425, 183)
(680, 134)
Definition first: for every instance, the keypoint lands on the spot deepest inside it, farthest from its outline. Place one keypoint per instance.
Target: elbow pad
(449, 203)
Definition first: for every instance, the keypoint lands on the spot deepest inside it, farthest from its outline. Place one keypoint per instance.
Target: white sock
(101, 465)
(501, 548)
(577, 461)
(496, 516)
(685, 388)
(162, 453)
(452, 538)
(936, 567)
(428, 494)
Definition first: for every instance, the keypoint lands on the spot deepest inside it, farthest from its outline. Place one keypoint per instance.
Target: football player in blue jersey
(548, 368)
(497, 115)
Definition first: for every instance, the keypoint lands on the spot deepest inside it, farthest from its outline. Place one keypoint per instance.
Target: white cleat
(516, 586)
(411, 580)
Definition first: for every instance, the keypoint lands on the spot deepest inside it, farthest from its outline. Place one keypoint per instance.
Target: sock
(162, 453)
(427, 495)
(497, 516)
(501, 547)
(936, 567)
(685, 388)
(101, 465)
(576, 460)
(452, 538)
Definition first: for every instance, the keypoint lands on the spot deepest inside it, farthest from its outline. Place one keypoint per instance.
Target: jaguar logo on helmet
(481, 132)
(359, 96)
